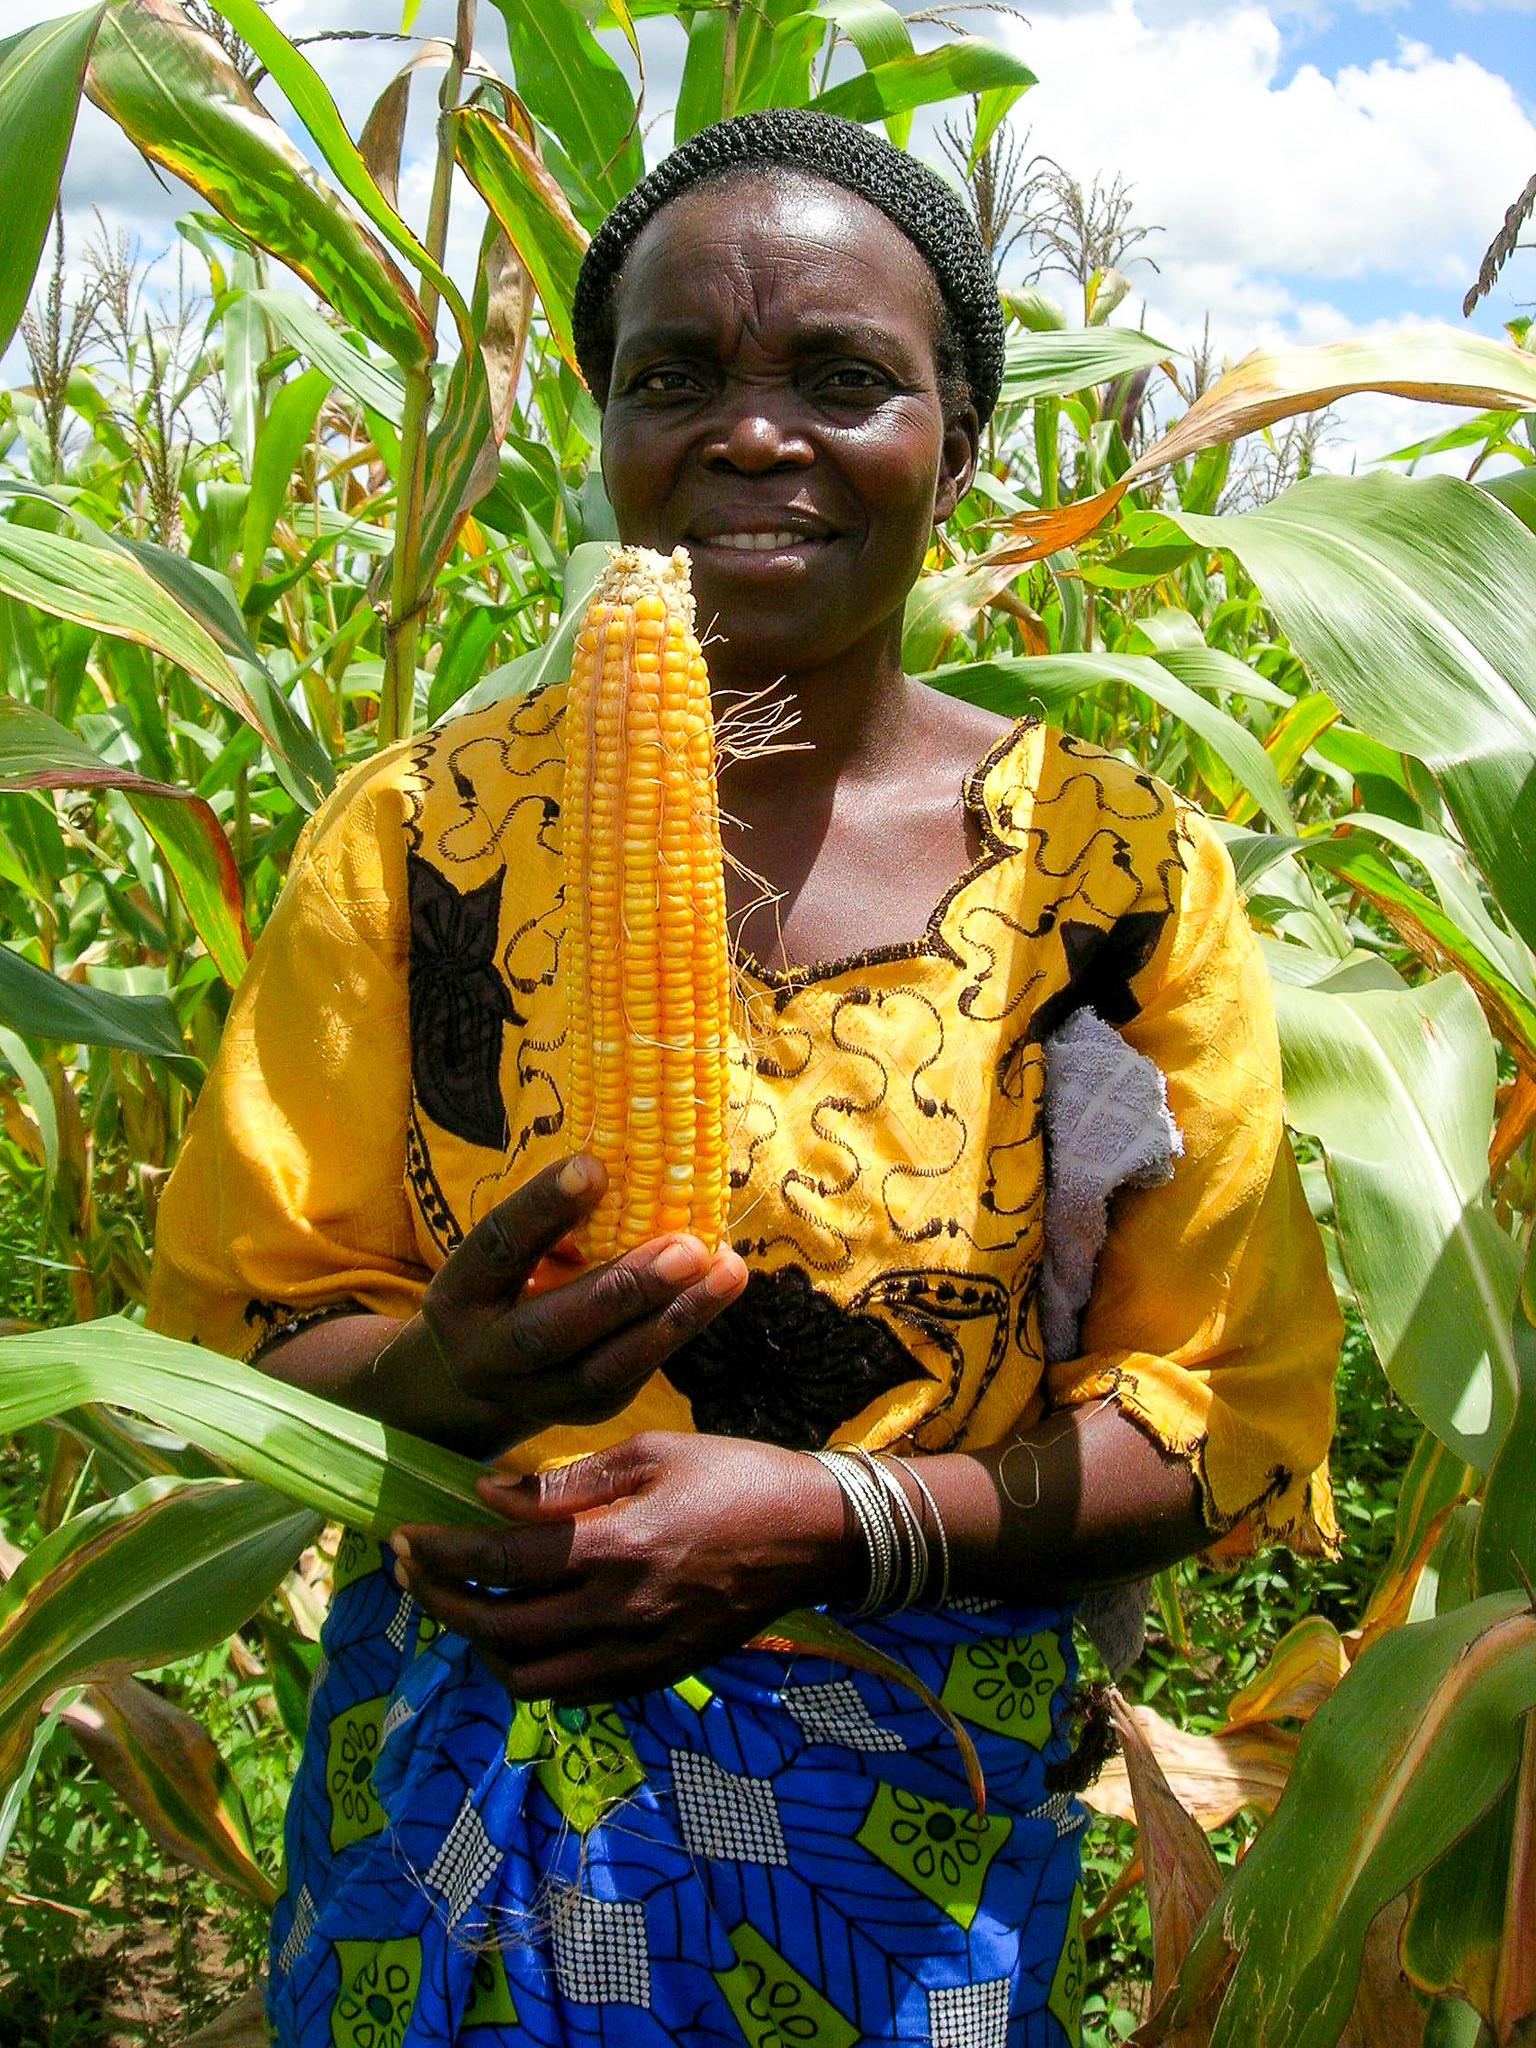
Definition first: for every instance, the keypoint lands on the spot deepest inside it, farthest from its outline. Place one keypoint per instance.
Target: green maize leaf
(1505, 1552)
(34, 1085)
(1403, 596)
(11, 1803)
(1398, 1087)
(1209, 668)
(1018, 683)
(1436, 1479)
(172, 91)
(375, 386)
(346, 1467)
(1454, 1930)
(877, 31)
(1052, 365)
(541, 664)
(42, 1006)
(701, 93)
(531, 211)
(309, 97)
(109, 591)
(36, 752)
(571, 85)
(954, 71)
(1424, 926)
(1517, 491)
(1403, 1757)
(285, 434)
(41, 72)
(775, 46)
(164, 1767)
(157, 1573)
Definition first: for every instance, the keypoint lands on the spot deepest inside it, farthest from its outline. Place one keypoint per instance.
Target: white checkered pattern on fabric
(975, 1603)
(600, 1952)
(465, 1862)
(400, 1711)
(835, 1713)
(1058, 1809)
(723, 1815)
(969, 2015)
(302, 1927)
(398, 1627)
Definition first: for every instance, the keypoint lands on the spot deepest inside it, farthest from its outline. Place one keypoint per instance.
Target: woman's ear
(957, 462)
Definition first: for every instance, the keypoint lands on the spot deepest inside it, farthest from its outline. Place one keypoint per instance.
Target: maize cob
(647, 968)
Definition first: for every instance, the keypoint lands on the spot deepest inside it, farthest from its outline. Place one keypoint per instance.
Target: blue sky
(1316, 170)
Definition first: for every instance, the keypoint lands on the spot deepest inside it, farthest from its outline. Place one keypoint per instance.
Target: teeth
(759, 541)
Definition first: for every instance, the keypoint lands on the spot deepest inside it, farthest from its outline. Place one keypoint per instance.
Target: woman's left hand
(635, 1566)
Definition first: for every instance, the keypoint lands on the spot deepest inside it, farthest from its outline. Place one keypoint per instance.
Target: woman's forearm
(1084, 1498)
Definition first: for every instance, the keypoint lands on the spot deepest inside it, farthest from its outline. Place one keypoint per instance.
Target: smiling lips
(762, 540)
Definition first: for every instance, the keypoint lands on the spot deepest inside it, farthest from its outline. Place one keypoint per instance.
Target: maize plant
(370, 536)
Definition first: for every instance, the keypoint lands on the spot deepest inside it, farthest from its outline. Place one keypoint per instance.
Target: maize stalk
(647, 965)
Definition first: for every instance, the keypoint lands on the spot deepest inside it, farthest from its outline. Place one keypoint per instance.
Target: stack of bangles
(899, 1562)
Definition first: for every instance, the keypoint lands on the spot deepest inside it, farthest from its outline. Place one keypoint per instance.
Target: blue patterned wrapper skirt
(780, 1851)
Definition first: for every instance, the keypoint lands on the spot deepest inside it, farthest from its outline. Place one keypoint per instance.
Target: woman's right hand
(522, 1359)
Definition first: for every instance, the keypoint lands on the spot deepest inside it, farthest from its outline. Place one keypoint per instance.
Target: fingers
(535, 1557)
(623, 1356)
(596, 1481)
(496, 1259)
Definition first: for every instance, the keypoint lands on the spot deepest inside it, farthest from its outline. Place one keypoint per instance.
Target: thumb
(596, 1481)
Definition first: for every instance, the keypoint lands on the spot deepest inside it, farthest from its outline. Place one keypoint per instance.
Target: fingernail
(575, 1177)
(402, 1576)
(399, 1543)
(679, 1262)
(724, 1276)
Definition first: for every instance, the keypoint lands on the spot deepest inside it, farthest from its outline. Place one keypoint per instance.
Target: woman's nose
(754, 436)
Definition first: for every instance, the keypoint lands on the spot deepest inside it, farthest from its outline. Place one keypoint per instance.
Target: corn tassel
(647, 967)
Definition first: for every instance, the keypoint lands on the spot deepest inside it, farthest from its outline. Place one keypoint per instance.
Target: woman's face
(774, 407)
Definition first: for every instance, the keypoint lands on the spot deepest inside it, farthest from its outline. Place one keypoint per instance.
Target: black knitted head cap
(840, 153)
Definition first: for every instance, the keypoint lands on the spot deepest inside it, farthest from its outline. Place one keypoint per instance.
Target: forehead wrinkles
(801, 239)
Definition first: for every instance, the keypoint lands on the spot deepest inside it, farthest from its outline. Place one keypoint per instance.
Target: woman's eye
(852, 380)
(666, 383)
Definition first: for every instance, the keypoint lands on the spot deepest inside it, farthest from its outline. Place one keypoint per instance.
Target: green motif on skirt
(381, 1980)
(490, 2002)
(581, 1756)
(775, 2006)
(354, 1745)
(944, 1852)
(1007, 1685)
(356, 1556)
(1066, 1999)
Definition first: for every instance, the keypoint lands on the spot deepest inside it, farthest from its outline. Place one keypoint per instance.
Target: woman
(793, 334)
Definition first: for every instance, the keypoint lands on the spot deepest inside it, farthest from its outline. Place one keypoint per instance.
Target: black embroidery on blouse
(459, 1004)
(1101, 966)
(785, 1365)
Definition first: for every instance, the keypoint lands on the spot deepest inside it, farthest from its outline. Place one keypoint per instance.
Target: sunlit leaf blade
(1053, 364)
(42, 1006)
(308, 95)
(285, 434)
(1424, 567)
(375, 386)
(347, 1467)
(1455, 1924)
(953, 71)
(1049, 682)
(1440, 363)
(807, 1632)
(163, 1765)
(1436, 1479)
(36, 752)
(156, 1573)
(1436, 938)
(1504, 1554)
(109, 591)
(532, 212)
(173, 91)
(1399, 1089)
(41, 71)
(573, 87)
(1215, 1776)
(1302, 1669)
(1403, 1757)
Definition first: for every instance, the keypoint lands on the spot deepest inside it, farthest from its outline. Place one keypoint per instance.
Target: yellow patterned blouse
(392, 1067)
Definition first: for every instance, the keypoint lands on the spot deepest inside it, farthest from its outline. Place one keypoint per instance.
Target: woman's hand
(635, 1566)
(502, 1347)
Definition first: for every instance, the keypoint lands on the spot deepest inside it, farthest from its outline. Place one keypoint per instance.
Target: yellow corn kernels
(647, 967)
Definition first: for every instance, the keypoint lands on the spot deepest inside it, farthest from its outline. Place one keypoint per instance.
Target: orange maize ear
(647, 967)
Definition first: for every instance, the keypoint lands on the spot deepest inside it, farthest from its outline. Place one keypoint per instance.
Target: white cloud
(1401, 166)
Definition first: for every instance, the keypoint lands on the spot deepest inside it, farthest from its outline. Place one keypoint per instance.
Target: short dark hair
(969, 343)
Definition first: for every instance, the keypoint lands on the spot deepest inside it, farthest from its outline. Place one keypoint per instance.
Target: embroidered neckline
(975, 795)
